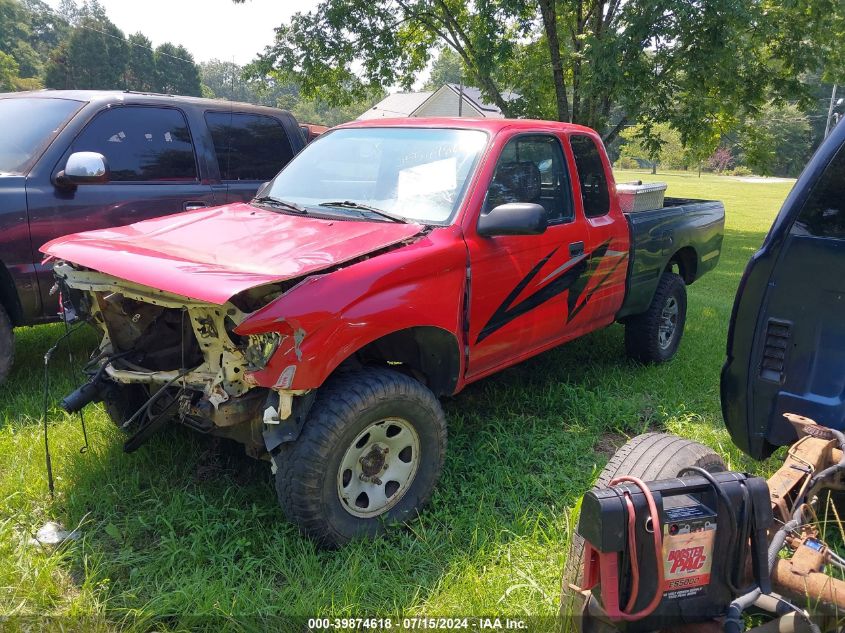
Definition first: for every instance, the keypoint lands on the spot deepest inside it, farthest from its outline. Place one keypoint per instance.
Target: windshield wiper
(358, 206)
(279, 203)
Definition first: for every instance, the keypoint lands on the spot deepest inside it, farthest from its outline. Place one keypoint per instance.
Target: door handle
(193, 205)
(576, 249)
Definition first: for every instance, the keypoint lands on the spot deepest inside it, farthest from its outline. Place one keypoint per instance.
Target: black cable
(733, 618)
(744, 536)
(779, 538)
(153, 423)
(152, 399)
(109, 361)
(47, 358)
(49, 461)
(93, 360)
(84, 448)
(828, 472)
(732, 544)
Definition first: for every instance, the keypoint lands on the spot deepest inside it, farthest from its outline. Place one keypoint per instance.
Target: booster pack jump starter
(675, 551)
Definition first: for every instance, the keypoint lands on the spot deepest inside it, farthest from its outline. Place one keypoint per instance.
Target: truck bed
(685, 233)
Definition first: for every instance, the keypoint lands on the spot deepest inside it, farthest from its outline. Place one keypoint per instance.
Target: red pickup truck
(389, 263)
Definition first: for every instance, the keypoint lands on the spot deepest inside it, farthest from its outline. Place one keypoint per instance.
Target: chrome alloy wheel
(378, 467)
(668, 323)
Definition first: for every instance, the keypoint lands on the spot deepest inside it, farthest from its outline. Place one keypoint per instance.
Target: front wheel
(369, 454)
(654, 335)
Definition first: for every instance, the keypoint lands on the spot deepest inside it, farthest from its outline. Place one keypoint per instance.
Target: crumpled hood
(213, 254)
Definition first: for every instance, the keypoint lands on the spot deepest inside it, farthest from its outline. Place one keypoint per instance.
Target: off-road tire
(7, 345)
(307, 469)
(642, 331)
(651, 457)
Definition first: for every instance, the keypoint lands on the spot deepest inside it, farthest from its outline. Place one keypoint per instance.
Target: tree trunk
(461, 43)
(611, 136)
(549, 15)
(575, 33)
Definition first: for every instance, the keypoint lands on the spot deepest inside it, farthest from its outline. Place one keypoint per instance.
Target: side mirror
(514, 218)
(84, 168)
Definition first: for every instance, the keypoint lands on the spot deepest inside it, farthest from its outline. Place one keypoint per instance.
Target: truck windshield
(417, 174)
(28, 126)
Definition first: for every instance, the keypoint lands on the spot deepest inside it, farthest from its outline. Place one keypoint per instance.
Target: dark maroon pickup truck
(78, 160)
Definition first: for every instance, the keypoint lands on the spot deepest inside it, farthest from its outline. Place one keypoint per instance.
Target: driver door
(519, 299)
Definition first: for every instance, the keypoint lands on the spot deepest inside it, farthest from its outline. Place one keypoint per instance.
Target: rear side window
(141, 144)
(594, 192)
(248, 146)
(823, 214)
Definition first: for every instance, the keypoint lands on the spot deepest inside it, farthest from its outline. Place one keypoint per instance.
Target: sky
(207, 28)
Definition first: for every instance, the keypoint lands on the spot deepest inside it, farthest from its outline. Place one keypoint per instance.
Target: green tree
(776, 141)
(668, 152)
(225, 80)
(47, 28)
(141, 64)
(70, 11)
(93, 57)
(16, 36)
(29, 31)
(320, 113)
(8, 73)
(176, 72)
(446, 69)
(605, 63)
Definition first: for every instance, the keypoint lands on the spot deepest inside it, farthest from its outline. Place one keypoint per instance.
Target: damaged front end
(168, 358)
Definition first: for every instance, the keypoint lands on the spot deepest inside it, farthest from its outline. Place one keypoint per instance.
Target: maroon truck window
(141, 144)
(248, 146)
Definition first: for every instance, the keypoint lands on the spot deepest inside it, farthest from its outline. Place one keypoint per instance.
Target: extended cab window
(248, 146)
(141, 143)
(594, 193)
(532, 169)
(823, 214)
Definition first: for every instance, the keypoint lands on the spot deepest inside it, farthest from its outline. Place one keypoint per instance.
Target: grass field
(180, 530)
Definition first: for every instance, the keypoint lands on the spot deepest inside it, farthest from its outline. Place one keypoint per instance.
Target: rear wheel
(7, 345)
(654, 335)
(650, 457)
(369, 454)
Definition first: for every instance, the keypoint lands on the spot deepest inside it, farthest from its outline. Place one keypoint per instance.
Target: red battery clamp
(657, 546)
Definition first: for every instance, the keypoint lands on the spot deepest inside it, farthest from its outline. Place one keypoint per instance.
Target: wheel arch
(428, 353)
(9, 296)
(685, 259)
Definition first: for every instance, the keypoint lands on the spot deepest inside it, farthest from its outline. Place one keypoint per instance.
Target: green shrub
(626, 162)
(740, 170)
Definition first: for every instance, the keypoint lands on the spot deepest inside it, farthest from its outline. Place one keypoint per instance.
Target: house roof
(474, 96)
(405, 104)
(396, 105)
